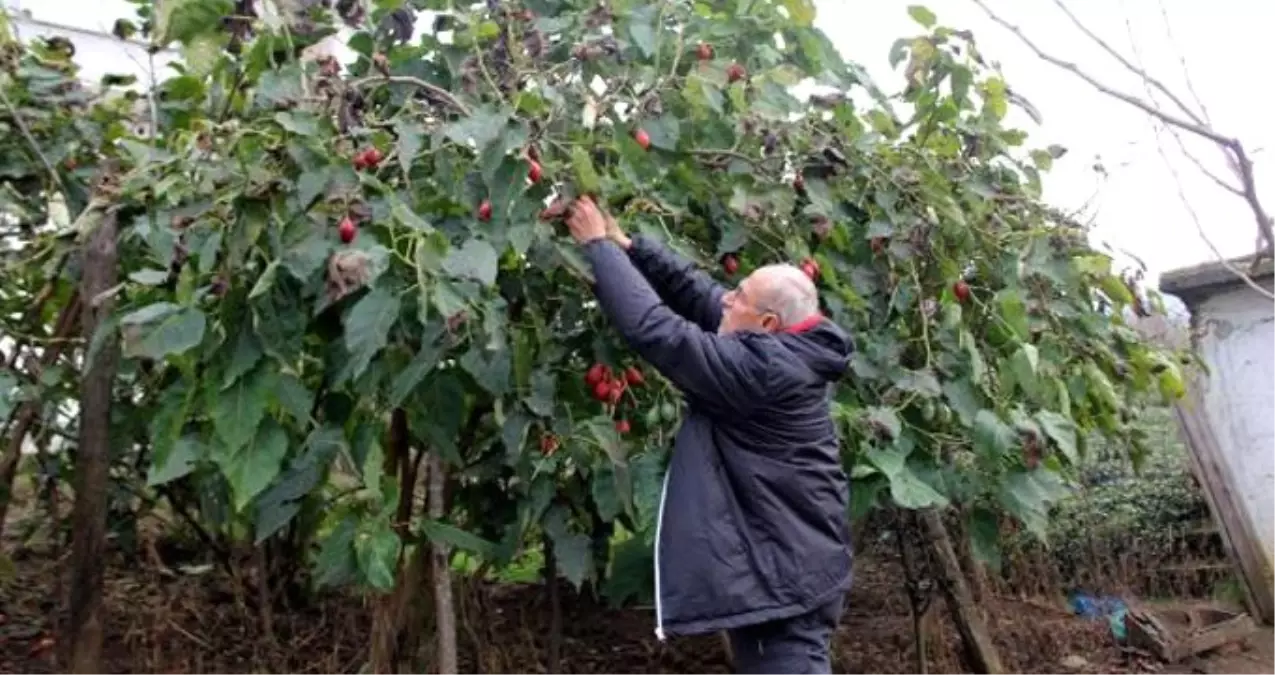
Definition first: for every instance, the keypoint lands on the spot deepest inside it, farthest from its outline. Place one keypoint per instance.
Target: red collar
(805, 324)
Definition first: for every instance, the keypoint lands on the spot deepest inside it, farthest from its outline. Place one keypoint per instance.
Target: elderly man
(752, 532)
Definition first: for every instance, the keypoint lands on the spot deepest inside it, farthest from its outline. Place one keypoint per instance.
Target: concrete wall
(1236, 338)
(1228, 417)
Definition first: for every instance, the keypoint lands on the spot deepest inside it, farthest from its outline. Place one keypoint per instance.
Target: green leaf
(337, 563)
(575, 557)
(605, 495)
(424, 362)
(410, 140)
(482, 128)
(542, 398)
(1028, 495)
(1025, 364)
(992, 437)
(176, 334)
(378, 557)
(455, 537)
(641, 28)
(906, 487)
(920, 382)
(922, 15)
(886, 418)
(1062, 430)
(603, 430)
(253, 468)
(801, 11)
(179, 461)
(367, 328)
(476, 259)
(1013, 312)
(964, 399)
(587, 181)
(239, 409)
(150, 313)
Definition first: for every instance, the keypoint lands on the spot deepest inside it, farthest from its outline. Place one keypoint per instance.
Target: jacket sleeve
(720, 372)
(686, 289)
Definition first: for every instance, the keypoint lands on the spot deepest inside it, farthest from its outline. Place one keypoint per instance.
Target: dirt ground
(197, 623)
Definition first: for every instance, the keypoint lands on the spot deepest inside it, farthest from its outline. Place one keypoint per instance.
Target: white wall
(87, 24)
(1237, 342)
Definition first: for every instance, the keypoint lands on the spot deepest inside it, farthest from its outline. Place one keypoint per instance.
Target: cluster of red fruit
(960, 289)
(368, 159)
(607, 388)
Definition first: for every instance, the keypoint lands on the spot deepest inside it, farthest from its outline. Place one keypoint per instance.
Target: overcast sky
(1137, 207)
(1223, 43)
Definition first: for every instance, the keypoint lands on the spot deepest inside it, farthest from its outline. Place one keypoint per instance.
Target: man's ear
(770, 322)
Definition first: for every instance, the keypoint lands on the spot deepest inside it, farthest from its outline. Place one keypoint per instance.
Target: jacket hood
(823, 346)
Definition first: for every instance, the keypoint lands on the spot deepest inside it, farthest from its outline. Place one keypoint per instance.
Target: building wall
(87, 24)
(1236, 338)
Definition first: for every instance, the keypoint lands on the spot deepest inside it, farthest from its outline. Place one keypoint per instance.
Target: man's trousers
(796, 645)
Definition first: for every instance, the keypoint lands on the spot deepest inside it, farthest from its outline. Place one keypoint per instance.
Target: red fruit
(730, 264)
(643, 139)
(484, 210)
(374, 157)
(623, 426)
(602, 391)
(615, 391)
(533, 172)
(705, 52)
(634, 377)
(70, 163)
(961, 290)
(346, 230)
(810, 268)
(799, 183)
(878, 245)
(597, 373)
(822, 227)
(735, 73)
(548, 444)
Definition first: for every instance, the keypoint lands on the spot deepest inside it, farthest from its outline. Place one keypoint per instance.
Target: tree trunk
(395, 637)
(445, 608)
(93, 456)
(555, 607)
(969, 621)
(920, 591)
(974, 570)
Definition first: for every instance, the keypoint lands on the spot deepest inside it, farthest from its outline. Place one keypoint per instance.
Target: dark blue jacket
(753, 524)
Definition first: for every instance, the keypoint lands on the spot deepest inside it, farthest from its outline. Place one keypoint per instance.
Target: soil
(197, 621)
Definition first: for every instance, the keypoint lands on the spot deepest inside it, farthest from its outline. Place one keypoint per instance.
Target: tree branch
(433, 89)
(1236, 154)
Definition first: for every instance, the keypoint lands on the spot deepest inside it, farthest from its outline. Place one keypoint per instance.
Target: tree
(345, 290)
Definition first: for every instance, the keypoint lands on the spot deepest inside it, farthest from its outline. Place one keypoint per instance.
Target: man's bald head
(786, 291)
(772, 298)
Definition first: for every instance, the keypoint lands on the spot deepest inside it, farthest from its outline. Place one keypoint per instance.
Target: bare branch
(1186, 72)
(1236, 154)
(433, 89)
(1177, 135)
(1140, 72)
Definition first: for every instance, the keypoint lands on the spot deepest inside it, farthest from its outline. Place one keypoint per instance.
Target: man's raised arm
(685, 288)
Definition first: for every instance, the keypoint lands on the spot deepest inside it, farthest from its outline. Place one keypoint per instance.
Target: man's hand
(586, 221)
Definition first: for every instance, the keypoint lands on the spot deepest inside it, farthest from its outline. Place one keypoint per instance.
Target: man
(752, 533)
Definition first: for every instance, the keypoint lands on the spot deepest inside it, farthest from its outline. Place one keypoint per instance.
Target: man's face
(740, 311)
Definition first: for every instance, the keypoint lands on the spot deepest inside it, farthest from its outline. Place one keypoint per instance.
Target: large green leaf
(240, 408)
(1062, 430)
(476, 259)
(992, 437)
(367, 328)
(176, 334)
(378, 553)
(253, 468)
